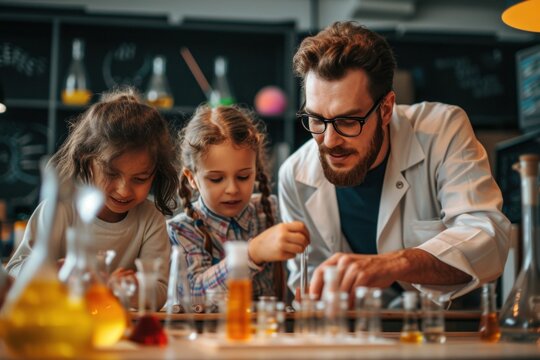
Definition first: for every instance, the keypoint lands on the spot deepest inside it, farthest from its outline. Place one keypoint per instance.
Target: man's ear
(387, 108)
(191, 179)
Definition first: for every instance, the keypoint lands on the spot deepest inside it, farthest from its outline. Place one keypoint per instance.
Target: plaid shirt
(208, 271)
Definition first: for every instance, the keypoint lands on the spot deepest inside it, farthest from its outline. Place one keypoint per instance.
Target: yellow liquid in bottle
(46, 322)
(108, 315)
(76, 97)
(239, 310)
(164, 102)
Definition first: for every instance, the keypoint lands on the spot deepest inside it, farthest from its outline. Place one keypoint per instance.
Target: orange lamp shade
(523, 16)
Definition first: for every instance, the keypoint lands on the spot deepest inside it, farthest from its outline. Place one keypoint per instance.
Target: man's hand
(409, 265)
(359, 270)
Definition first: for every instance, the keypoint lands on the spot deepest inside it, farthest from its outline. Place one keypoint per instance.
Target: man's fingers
(315, 288)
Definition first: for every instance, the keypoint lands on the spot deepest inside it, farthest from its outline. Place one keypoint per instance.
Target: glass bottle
(489, 320)
(520, 314)
(410, 332)
(41, 317)
(148, 330)
(221, 93)
(238, 318)
(76, 89)
(158, 92)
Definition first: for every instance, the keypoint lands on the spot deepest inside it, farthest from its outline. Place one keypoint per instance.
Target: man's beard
(357, 174)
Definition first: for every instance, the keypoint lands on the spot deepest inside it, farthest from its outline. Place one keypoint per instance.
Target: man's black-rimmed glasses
(348, 126)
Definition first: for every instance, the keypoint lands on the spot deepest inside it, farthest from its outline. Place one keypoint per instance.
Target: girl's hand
(280, 242)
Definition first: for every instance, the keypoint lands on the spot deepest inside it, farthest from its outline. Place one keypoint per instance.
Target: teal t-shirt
(359, 211)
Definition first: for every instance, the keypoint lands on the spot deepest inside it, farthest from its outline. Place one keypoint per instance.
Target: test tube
(304, 257)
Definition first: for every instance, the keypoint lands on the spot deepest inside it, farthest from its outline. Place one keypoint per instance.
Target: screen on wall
(528, 76)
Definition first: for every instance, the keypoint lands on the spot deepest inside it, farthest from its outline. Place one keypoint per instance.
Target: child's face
(225, 178)
(126, 183)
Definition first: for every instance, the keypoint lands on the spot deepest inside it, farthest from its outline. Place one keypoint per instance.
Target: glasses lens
(312, 124)
(348, 127)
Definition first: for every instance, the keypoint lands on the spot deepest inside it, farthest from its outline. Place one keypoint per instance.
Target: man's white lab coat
(438, 195)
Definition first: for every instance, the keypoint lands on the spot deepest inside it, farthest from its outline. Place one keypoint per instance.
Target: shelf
(27, 103)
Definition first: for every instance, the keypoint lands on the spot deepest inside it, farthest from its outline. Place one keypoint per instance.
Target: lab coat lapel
(404, 153)
(321, 203)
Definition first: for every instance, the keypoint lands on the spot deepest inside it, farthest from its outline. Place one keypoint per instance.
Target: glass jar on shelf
(158, 92)
(76, 89)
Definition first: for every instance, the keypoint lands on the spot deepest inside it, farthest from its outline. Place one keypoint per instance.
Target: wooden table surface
(457, 346)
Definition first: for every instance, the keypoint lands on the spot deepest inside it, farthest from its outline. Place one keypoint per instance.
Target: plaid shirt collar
(221, 224)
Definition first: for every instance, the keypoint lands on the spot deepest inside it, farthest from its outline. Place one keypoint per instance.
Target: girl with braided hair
(223, 158)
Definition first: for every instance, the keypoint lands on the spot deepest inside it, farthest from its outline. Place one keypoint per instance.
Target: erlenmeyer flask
(148, 330)
(221, 93)
(107, 312)
(76, 89)
(158, 92)
(41, 318)
(178, 298)
(520, 314)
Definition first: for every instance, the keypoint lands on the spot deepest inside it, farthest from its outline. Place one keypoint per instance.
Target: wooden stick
(195, 70)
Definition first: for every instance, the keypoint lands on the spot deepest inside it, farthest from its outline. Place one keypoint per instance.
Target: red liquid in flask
(149, 331)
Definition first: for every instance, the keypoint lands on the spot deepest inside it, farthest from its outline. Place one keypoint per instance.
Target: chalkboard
(23, 142)
(476, 75)
(24, 59)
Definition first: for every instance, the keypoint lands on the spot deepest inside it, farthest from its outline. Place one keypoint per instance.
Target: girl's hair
(214, 126)
(343, 46)
(118, 123)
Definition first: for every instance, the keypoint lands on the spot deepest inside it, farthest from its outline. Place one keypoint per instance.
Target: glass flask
(368, 313)
(433, 317)
(41, 317)
(148, 330)
(410, 332)
(221, 93)
(238, 318)
(107, 313)
(520, 314)
(178, 300)
(489, 320)
(76, 89)
(158, 92)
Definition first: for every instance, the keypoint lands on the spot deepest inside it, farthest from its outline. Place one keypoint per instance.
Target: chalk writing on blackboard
(125, 66)
(21, 148)
(13, 56)
(480, 81)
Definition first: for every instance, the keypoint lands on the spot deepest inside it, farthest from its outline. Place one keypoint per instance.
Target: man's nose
(331, 137)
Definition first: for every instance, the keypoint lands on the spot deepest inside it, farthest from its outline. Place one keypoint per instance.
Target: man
(388, 192)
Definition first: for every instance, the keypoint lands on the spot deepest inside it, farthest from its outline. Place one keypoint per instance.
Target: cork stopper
(528, 165)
